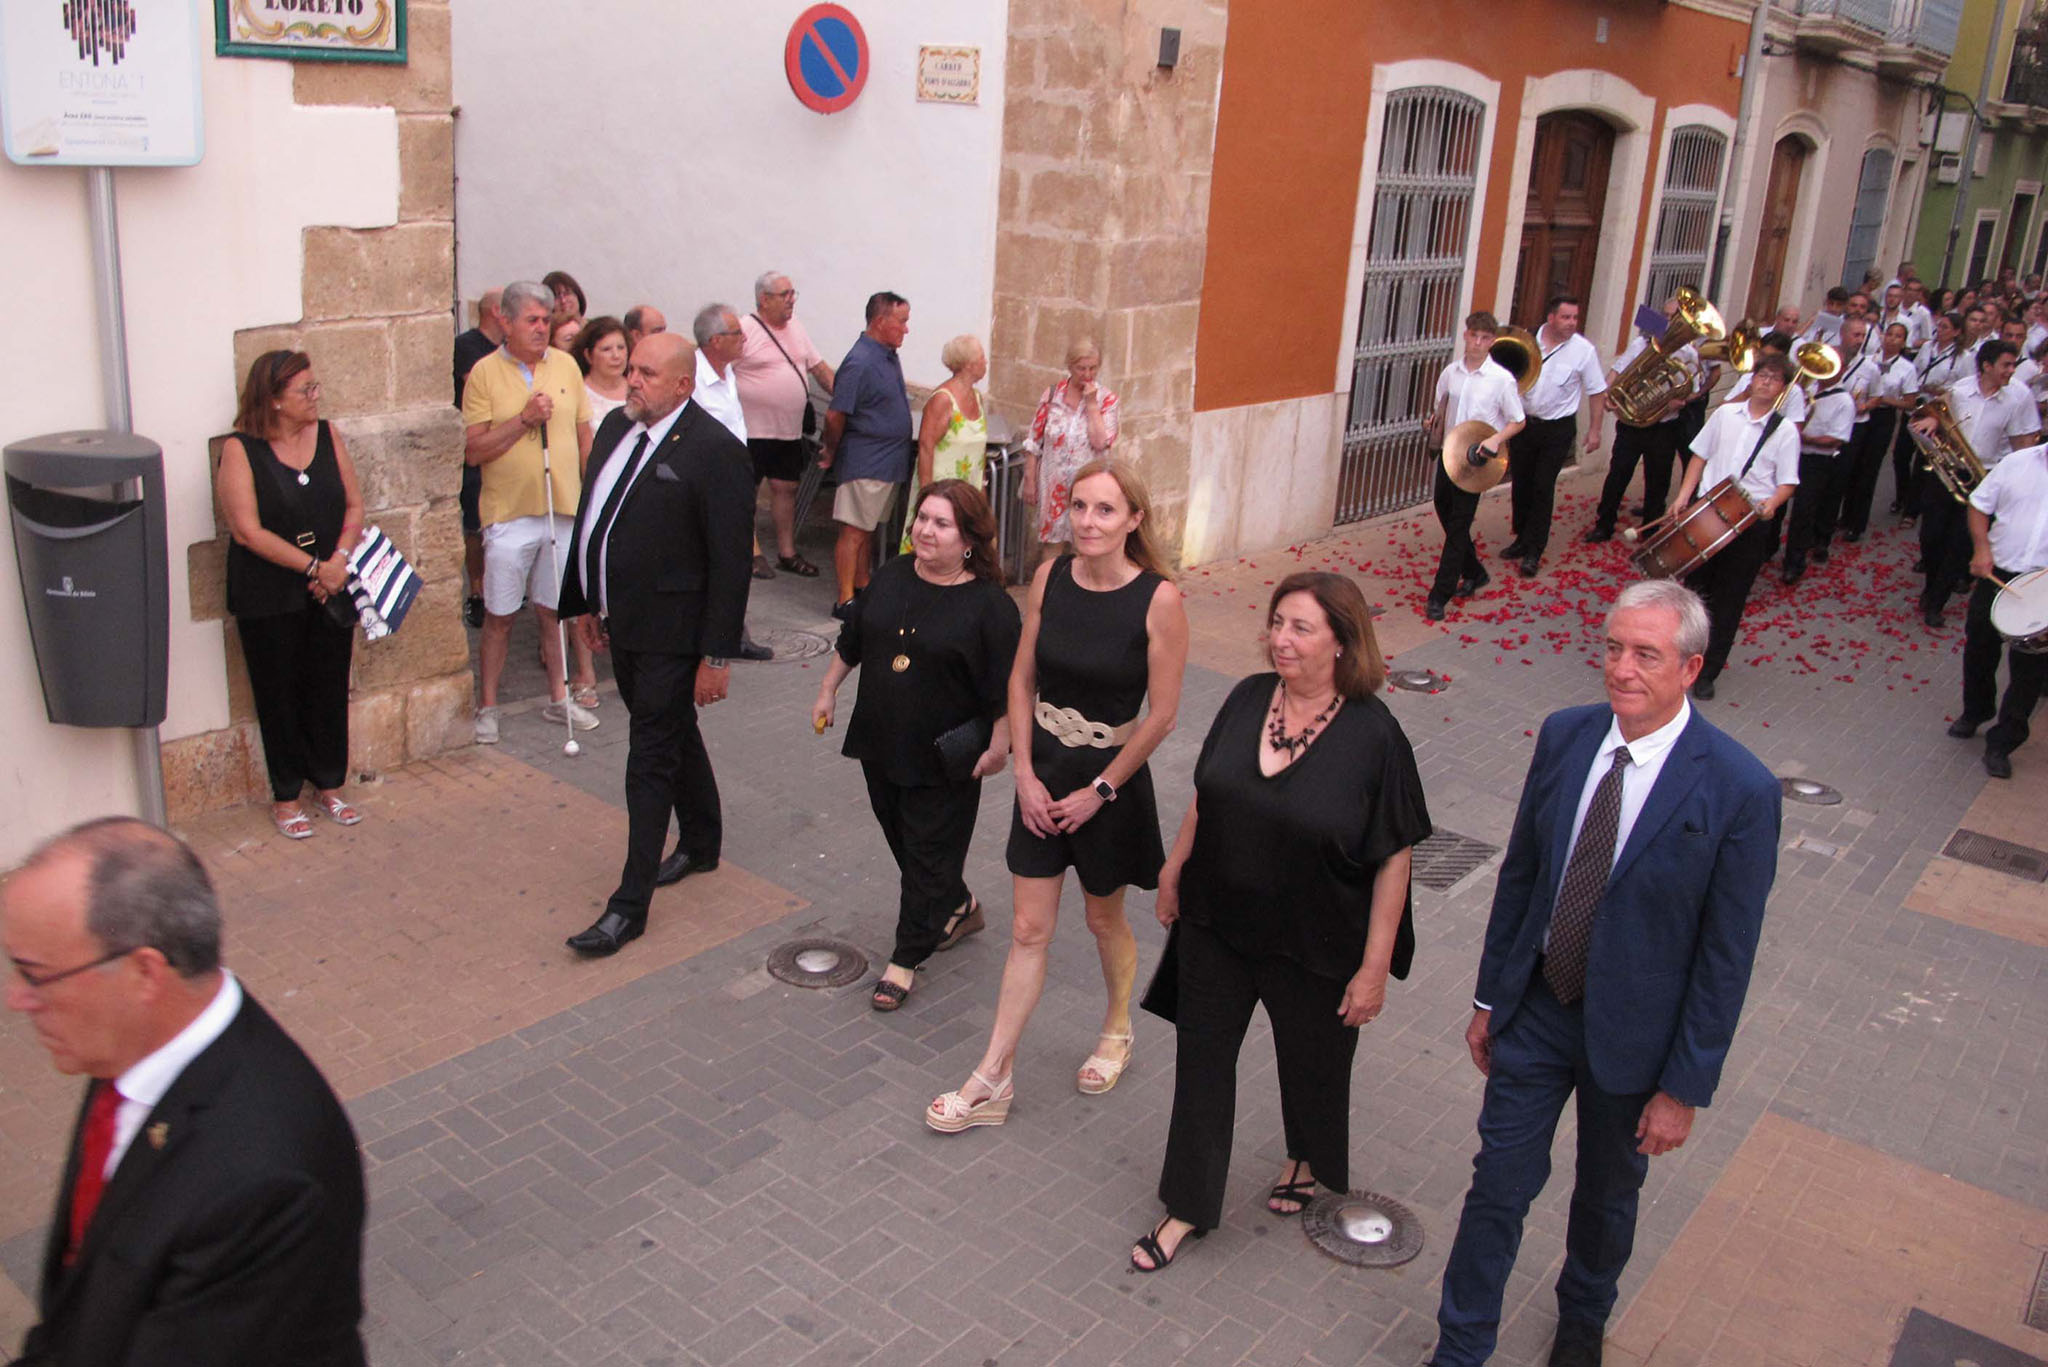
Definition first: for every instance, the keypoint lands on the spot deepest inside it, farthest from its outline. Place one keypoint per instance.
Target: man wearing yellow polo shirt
(519, 397)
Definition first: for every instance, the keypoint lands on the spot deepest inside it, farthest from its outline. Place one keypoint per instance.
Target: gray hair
(517, 295)
(710, 321)
(766, 279)
(955, 354)
(146, 889)
(1676, 599)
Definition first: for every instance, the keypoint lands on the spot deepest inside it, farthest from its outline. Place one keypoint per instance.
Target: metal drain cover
(1418, 681)
(1445, 857)
(790, 644)
(1362, 1228)
(2037, 1304)
(1806, 790)
(817, 963)
(1989, 852)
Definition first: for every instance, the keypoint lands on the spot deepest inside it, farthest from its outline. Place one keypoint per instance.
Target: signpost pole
(113, 329)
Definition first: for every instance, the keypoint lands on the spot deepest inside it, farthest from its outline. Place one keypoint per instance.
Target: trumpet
(1641, 393)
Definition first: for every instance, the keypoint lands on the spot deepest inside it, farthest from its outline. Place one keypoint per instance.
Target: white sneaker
(582, 718)
(487, 726)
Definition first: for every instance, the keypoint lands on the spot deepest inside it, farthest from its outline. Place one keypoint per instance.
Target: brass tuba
(1656, 377)
(1516, 352)
(1947, 450)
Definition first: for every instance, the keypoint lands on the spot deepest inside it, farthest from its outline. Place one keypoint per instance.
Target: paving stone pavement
(704, 1165)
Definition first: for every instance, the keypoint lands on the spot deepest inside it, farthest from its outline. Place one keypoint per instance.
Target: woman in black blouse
(1289, 880)
(937, 633)
(288, 491)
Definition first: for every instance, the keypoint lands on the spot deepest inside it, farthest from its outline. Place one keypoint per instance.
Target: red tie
(95, 1143)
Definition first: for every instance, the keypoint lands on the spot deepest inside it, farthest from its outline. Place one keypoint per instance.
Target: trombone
(1817, 363)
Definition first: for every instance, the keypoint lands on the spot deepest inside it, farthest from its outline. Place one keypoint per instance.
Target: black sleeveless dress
(256, 587)
(1092, 658)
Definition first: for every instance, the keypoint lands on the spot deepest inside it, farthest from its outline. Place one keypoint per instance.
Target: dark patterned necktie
(1585, 883)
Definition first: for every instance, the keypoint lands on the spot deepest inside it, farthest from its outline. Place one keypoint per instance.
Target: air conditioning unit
(1948, 168)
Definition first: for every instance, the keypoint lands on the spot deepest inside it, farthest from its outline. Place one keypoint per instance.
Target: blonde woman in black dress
(1105, 637)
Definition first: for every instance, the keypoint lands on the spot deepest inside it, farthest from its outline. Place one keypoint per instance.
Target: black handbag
(960, 747)
(1162, 996)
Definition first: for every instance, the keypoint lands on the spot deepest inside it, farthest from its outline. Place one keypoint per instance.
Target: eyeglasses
(311, 391)
(38, 981)
(782, 294)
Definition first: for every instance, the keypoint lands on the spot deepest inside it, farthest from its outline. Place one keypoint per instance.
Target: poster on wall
(100, 83)
(311, 30)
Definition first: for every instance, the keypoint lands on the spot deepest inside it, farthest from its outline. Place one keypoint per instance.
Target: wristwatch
(717, 663)
(1103, 789)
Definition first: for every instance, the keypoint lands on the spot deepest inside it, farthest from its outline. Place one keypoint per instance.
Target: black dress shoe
(751, 650)
(1433, 610)
(1931, 616)
(1820, 555)
(1529, 565)
(1467, 587)
(1703, 689)
(1998, 764)
(1577, 1345)
(1920, 565)
(1852, 537)
(1792, 574)
(1598, 535)
(613, 932)
(843, 610)
(1962, 728)
(1514, 550)
(681, 865)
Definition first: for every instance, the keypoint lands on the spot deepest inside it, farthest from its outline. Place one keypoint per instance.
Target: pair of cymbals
(1468, 464)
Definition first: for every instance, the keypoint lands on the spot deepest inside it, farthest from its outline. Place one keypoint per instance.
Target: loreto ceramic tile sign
(311, 30)
(949, 75)
(100, 83)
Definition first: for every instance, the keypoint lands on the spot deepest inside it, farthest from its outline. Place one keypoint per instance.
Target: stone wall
(376, 320)
(1104, 216)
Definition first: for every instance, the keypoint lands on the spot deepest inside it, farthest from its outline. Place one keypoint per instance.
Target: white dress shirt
(145, 1083)
(1994, 424)
(600, 493)
(1726, 442)
(1897, 380)
(719, 395)
(1687, 356)
(1486, 394)
(1859, 374)
(1941, 367)
(1571, 373)
(1834, 415)
(1646, 756)
(1919, 326)
(1796, 402)
(2015, 496)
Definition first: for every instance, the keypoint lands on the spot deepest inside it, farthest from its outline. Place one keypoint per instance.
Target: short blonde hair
(955, 354)
(1083, 346)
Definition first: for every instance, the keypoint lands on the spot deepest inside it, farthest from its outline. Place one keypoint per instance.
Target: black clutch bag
(960, 747)
(1162, 997)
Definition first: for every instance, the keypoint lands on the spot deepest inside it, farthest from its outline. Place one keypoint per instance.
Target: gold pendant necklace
(905, 631)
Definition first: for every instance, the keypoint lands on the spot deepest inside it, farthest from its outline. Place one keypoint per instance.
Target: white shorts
(518, 566)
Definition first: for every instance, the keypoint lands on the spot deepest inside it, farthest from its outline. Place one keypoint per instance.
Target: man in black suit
(1625, 920)
(212, 1205)
(658, 572)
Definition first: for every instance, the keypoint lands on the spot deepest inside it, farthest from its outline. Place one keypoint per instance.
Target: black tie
(1585, 883)
(603, 530)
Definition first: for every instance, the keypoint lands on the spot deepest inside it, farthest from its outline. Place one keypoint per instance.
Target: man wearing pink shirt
(775, 360)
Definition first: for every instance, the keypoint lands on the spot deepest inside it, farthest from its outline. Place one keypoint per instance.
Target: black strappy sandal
(888, 996)
(1148, 1244)
(1301, 1191)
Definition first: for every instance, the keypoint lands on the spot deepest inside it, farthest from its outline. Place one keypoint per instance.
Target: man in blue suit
(1624, 925)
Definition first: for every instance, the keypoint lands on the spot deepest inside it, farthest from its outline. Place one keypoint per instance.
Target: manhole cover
(1931, 1341)
(2037, 1304)
(1806, 790)
(1989, 852)
(791, 644)
(817, 963)
(1445, 857)
(1362, 1228)
(1418, 681)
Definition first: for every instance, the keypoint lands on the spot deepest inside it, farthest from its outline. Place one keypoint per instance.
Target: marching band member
(1896, 391)
(1992, 414)
(1824, 453)
(2026, 372)
(1919, 319)
(1571, 372)
(1777, 343)
(1475, 386)
(1654, 445)
(1941, 363)
(1827, 323)
(1757, 447)
(2009, 536)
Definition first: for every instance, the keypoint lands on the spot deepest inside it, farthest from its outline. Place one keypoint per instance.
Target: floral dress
(1059, 435)
(960, 453)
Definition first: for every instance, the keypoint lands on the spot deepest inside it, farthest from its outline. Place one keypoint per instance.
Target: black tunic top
(256, 587)
(1283, 865)
(960, 639)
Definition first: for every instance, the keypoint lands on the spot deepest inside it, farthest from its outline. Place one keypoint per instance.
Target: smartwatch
(1103, 789)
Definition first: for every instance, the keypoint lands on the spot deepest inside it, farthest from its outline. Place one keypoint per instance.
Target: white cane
(547, 479)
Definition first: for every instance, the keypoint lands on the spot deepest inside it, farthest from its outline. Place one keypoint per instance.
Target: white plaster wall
(653, 149)
(205, 250)
(1262, 475)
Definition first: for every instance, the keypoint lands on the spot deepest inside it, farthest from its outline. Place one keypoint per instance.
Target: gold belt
(1070, 728)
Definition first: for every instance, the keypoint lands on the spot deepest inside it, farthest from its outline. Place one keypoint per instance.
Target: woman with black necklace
(937, 634)
(1289, 883)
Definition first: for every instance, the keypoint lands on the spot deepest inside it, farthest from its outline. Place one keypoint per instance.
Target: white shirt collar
(146, 1082)
(1644, 749)
(707, 374)
(656, 434)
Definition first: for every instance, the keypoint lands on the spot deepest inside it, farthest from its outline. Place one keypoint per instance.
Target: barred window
(1685, 220)
(1873, 187)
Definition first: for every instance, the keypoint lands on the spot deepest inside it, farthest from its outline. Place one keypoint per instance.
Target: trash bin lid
(76, 460)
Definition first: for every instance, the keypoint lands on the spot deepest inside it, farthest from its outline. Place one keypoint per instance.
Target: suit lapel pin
(157, 1134)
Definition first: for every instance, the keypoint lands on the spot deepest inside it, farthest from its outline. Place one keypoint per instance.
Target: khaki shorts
(864, 503)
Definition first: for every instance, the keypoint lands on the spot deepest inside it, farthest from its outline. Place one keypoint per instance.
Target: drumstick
(1631, 535)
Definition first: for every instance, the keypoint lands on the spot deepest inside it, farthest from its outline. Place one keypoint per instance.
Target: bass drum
(2020, 612)
(1698, 534)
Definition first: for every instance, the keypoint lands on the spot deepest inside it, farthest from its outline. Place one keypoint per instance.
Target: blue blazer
(1677, 931)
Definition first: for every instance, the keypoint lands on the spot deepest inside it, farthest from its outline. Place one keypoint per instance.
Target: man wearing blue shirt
(867, 435)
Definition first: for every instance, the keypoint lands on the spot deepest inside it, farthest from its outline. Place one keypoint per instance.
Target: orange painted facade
(1290, 137)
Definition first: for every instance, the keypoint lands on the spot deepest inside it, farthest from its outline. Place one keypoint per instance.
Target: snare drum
(1698, 534)
(2020, 612)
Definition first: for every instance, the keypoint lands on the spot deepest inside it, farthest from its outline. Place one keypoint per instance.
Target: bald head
(660, 376)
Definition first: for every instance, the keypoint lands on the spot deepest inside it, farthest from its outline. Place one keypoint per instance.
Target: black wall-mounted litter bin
(95, 573)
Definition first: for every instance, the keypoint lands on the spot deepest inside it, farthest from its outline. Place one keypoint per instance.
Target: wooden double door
(1561, 222)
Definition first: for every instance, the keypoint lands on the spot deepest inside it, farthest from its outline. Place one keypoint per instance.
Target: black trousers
(1866, 463)
(1455, 509)
(667, 771)
(1724, 582)
(1218, 989)
(1535, 459)
(2025, 673)
(1944, 542)
(298, 676)
(1909, 474)
(1813, 506)
(1655, 447)
(928, 830)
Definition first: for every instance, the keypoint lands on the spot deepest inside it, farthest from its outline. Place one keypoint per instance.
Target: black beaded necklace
(1276, 729)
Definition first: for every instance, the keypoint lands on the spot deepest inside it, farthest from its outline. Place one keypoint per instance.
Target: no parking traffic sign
(826, 58)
